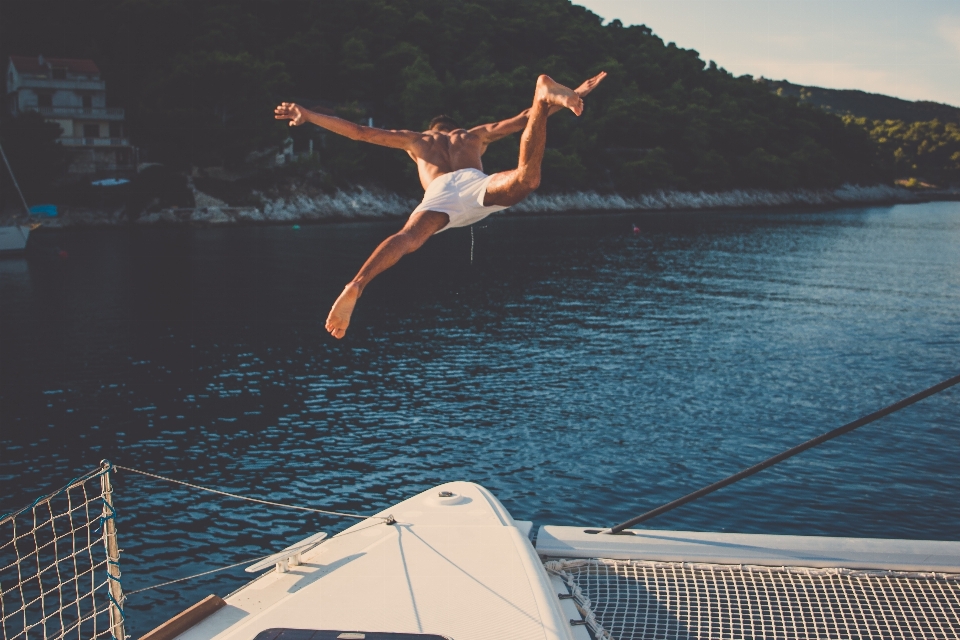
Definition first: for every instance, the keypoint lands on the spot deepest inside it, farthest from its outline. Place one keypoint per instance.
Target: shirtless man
(457, 192)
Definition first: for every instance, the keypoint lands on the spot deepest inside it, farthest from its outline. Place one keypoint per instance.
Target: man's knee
(411, 239)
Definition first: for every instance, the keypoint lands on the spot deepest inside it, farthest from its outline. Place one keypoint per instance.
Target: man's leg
(510, 187)
(418, 229)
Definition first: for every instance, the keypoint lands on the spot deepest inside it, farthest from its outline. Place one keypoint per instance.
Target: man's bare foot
(553, 92)
(339, 318)
(590, 84)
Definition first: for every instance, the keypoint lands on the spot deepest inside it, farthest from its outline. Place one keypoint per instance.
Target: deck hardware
(608, 531)
(578, 623)
(448, 498)
(565, 596)
(390, 520)
(291, 556)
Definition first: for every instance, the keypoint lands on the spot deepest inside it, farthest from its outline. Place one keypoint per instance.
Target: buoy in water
(296, 227)
(636, 230)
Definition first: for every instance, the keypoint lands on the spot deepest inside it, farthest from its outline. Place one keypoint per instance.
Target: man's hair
(444, 123)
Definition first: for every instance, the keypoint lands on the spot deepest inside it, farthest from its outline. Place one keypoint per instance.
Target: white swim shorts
(459, 195)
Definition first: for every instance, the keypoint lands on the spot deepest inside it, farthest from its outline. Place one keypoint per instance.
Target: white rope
(197, 575)
(232, 566)
(267, 502)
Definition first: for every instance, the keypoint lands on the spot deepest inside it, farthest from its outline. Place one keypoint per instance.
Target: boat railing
(60, 564)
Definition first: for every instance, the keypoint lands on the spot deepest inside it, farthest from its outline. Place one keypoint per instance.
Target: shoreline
(368, 204)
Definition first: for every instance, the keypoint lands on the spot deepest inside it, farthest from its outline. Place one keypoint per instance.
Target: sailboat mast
(14, 178)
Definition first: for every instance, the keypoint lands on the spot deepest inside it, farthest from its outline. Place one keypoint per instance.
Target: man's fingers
(288, 111)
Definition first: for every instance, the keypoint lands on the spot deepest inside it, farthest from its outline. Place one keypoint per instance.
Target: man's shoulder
(463, 136)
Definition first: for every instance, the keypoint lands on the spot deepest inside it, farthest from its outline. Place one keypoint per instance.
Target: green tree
(212, 108)
(422, 96)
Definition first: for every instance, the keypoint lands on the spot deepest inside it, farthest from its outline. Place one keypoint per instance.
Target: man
(457, 192)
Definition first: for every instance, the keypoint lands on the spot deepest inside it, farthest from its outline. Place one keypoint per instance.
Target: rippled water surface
(581, 372)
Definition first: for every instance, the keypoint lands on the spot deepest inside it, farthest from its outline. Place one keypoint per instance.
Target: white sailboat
(13, 237)
(452, 562)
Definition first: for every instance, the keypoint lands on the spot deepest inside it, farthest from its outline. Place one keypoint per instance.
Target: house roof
(40, 64)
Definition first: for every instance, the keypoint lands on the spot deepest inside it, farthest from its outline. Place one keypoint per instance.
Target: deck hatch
(342, 634)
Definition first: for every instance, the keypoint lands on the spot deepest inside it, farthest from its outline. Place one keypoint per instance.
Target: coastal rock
(371, 204)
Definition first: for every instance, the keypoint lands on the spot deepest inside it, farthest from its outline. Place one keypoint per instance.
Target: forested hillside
(199, 81)
(872, 106)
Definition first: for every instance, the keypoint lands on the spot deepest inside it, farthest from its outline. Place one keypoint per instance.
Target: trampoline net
(626, 599)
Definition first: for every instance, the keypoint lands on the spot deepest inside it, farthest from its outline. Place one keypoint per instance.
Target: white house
(71, 93)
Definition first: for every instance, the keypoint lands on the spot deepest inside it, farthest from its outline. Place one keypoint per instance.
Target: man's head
(444, 123)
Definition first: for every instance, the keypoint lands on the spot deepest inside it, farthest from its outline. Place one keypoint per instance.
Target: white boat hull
(459, 567)
(455, 564)
(13, 238)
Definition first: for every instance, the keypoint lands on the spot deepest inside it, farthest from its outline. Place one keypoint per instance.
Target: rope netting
(634, 599)
(59, 565)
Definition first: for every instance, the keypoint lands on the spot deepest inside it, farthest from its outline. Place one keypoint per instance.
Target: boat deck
(457, 566)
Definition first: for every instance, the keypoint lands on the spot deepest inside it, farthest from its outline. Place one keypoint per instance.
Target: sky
(904, 48)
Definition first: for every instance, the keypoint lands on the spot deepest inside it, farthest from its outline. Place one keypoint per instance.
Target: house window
(59, 73)
(91, 131)
(116, 129)
(44, 100)
(87, 103)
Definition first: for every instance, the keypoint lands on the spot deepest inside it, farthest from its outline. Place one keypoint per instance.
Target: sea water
(582, 371)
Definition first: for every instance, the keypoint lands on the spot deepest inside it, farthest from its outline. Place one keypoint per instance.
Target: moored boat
(452, 562)
(13, 239)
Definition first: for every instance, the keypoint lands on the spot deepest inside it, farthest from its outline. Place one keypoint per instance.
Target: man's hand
(590, 85)
(293, 113)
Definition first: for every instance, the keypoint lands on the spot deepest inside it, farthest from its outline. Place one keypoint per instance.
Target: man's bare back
(442, 150)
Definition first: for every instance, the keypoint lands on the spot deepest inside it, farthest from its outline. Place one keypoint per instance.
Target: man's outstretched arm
(297, 115)
(498, 130)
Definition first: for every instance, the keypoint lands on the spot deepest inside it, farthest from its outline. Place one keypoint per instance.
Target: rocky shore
(366, 204)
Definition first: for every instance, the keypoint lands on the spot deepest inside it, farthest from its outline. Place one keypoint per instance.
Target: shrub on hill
(929, 151)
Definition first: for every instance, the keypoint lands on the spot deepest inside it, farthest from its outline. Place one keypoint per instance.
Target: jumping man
(458, 193)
